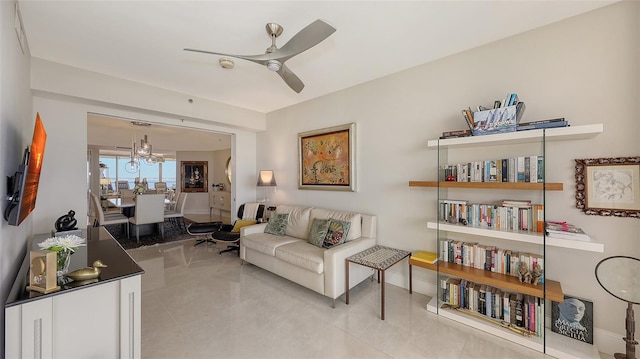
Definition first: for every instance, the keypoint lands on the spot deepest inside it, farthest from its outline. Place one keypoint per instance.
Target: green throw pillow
(277, 224)
(337, 233)
(318, 231)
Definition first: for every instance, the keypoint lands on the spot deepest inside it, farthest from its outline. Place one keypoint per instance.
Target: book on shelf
(573, 318)
(565, 231)
(426, 257)
(535, 126)
(516, 203)
(538, 122)
(456, 133)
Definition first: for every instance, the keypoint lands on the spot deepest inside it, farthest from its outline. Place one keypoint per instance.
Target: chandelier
(143, 153)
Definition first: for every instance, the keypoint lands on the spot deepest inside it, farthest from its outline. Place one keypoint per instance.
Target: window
(159, 172)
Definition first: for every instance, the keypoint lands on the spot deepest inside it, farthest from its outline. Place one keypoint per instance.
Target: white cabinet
(96, 320)
(220, 201)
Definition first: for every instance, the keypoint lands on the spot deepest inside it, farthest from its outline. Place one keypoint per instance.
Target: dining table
(128, 206)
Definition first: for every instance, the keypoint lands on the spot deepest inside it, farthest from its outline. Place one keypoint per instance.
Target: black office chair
(233, 238)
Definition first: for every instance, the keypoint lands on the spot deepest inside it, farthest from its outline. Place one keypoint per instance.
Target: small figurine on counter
(87, 272)
(66, 222)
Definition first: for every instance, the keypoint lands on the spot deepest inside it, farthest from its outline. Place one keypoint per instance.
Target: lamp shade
(266, 178)
(105, 181)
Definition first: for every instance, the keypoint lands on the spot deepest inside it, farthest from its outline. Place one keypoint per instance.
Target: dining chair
(126, 195)
(171, 197)
(122, 185)
(178, 212)
(160, 187)
(149, 210)
(101, 219)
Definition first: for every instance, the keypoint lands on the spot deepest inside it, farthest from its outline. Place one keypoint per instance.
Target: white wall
(64, 171)
(16, 127)
(585, 69)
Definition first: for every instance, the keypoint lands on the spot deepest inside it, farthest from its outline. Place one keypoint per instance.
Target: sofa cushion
(242, 223)
(277, 224)
(299, 220)
(318, 231)
(355, 230)
(302, 254)
(266, 243)
(337, 233)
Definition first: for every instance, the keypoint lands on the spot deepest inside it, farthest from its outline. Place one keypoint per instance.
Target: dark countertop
(100, 245)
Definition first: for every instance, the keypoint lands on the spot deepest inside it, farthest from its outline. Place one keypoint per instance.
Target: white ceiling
(114, 135)
(143, 40)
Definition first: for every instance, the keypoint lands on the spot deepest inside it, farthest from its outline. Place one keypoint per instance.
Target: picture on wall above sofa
(327, 158)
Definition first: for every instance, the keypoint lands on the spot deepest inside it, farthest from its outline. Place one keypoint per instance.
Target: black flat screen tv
(22, 188)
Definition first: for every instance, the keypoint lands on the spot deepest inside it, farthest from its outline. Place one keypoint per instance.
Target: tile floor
(198, 304)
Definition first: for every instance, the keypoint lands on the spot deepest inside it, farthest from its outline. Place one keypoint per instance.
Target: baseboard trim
(419, 286)
(608, 342)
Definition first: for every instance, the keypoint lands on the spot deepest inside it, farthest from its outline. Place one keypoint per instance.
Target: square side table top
(379, 257)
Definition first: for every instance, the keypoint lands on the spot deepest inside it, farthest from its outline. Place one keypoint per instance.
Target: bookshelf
(551, 290)
(519, 236)
(490, 185)
(509, 283)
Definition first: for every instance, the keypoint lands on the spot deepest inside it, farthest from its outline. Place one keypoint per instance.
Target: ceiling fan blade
(290, 78)
(259, 59)
(307, 38)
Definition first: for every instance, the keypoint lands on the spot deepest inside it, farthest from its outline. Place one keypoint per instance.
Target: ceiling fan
(274, 57)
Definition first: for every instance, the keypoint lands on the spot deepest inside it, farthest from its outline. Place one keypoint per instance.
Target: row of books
(489, 258)
(520, 126)
(515, 169)
(523, 311)
(510, 215)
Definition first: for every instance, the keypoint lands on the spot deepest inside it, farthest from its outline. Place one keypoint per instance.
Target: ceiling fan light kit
(274, 58)
(273, 65)
(226, 63)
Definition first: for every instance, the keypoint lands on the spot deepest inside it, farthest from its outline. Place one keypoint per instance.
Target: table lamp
(266, 178)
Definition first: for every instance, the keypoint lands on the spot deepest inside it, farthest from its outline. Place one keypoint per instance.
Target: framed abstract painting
(327, 158)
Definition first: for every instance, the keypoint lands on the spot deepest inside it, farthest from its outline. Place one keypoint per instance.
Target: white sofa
(292, 257)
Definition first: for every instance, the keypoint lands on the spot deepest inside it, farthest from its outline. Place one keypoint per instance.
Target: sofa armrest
(254, 228)
(334, 264)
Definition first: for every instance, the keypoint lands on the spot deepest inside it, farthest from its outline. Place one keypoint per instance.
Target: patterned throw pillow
(242, 223)
(337, 233)
(318, 231)
(277, 224)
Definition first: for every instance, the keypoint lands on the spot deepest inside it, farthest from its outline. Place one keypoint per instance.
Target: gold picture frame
(194, 176)
(608, 186)
(326, 158)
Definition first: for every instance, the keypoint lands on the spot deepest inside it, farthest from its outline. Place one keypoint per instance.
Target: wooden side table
(379, 258)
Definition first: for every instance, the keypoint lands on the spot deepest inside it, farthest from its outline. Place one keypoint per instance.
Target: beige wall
(584, 69)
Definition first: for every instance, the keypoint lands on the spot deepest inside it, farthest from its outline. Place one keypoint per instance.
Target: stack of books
(565, 230)
(426, 257)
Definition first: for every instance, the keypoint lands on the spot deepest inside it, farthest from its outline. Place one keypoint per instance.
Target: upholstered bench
(205, 229)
